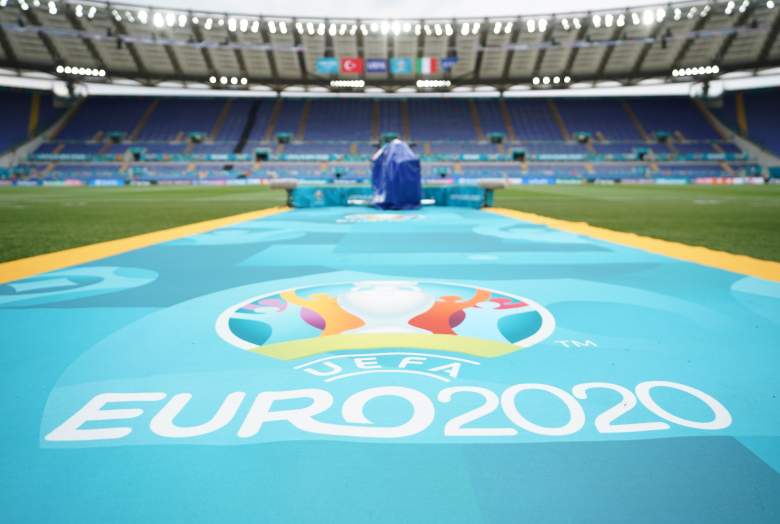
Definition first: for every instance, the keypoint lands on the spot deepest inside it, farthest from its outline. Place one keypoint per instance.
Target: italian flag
(427, 65)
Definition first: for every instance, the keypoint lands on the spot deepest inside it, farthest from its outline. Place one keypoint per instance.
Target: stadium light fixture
(407, 27)
(465, 27)
(496, 28)
(635, 18)
(299, 27)
(508, 28)
(677, 14)
(576, 23)
(770, 4)
(433, 84)
(530, 25)
(348, 84)
(475, 28)
(209, 24)
(283, 27)
(170, 19)
(195, 20)
(535, 81)
(353, 30)
(567, 79)
(232, 24)
(384, 27)
(309, 28)
(332, 29)
(221, 22)
(92, 12)
(52, 8)
(182, 20)
(143, 16)
(255, 26)
(744, 5)
(691, 13)
(80, 71)
(648, 17)
(243, 25)
(3, 3)
(542, 25)
(342, 29)
(374, 27)
(244, 81)
(212, 79)
(437, 29)
(78, 10)
(395, 27)
(705, 10)
(621, 20)
(427, 29)
(321, 29)
(565, 24)
(448, 29)
(596, 21)
(223, 80)
(364, 29)
(158, 20)
(695, 71)
(546, 80)
(609, 19)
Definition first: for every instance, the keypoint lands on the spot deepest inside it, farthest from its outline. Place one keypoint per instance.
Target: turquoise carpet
(346, 365)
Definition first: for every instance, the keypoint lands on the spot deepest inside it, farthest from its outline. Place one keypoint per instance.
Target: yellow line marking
(27, 267)
(741, 264)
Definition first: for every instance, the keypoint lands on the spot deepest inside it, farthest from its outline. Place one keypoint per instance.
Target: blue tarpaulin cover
(395, 177)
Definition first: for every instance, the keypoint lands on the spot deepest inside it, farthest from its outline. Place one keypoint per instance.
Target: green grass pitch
(743, 220)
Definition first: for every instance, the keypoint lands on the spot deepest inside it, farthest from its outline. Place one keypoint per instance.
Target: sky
(393, 9)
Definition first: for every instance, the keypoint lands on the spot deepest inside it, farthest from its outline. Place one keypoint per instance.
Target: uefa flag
(351, 65)
(448, 63)
(427, 65)
(376, 65)
(401, 66)
(327, 66)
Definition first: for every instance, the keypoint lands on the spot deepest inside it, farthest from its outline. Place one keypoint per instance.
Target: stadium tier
(223, 139)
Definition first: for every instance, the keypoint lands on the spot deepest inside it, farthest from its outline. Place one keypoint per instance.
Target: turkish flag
(351, 65)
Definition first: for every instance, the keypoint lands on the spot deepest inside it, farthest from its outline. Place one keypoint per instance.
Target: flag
(327, 66)
(449, 62)
(376, 65)
(427, 65)
(401, 66)
(351, 65)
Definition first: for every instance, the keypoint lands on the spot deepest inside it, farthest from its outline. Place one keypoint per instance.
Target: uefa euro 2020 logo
(369, 315)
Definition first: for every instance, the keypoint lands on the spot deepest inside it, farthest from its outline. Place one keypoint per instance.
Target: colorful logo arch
(380, 314)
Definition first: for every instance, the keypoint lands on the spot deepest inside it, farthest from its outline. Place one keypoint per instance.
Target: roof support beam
(688, 43)
(46, 39)
(640, 60)
(510, 54)
(270, 54)
(574, 50)
(729, 39)
(770, 38)
(136, 56)
(77, 25)
(541, 52)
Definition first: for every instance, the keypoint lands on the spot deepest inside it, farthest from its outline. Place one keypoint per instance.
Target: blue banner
(449, 62)
(327, 66)
(401, 66)
(376, 65)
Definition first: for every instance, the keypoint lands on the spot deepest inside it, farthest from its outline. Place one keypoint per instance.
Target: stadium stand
(25, 114)
(221, 139)
(752, 114)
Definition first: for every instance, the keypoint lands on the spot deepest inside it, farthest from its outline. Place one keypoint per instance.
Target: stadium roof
(103, 42)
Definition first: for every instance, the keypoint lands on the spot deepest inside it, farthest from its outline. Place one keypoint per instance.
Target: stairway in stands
(248, 126)
(269, 131)
(475, 120)
(144, 119)
(510, 129)
(304, 119)
(558, 119)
